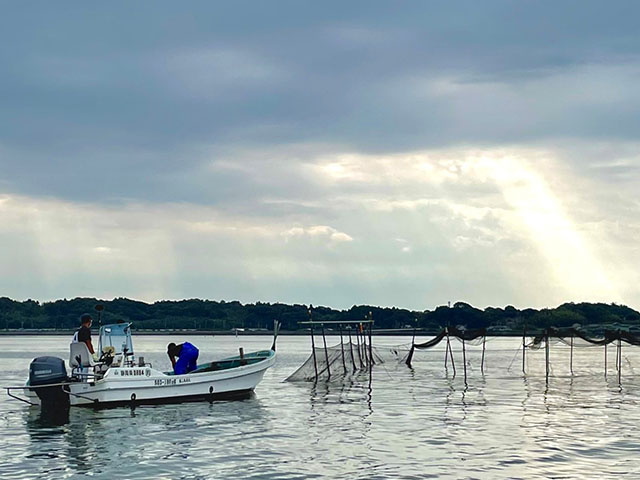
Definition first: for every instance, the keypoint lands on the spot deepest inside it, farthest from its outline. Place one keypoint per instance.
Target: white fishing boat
(122, 378)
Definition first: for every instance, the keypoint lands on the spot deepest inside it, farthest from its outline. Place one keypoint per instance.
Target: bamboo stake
(452, 363)
(344, 365)
(326, 353)
(449, 350)
(571, 358)
(464, 361)
(353, 360)
(413, 343)
(313, 347)
(546, 348)
(524, 346)
(370, 341)
(484, 340)
(446, 349)
(619, 361)
(363, 346)
(358, 349)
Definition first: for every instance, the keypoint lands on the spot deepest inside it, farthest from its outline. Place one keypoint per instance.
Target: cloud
(384, 155)
(317, 231)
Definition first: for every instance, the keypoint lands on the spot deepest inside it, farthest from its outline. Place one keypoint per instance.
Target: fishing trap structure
(356, 354)
(575, 338)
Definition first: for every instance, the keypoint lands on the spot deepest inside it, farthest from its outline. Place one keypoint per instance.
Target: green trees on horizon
(221, 315)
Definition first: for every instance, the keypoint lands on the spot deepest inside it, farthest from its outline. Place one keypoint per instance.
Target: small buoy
(133, 397)
(210, 389)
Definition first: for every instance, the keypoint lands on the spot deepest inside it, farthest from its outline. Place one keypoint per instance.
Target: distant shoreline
(385, 332)
(149, 332)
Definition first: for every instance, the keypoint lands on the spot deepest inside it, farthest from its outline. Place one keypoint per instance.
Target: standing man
(188, 356)
(83, 335)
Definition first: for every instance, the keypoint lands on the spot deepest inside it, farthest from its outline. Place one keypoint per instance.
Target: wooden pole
(365, 350)
(446, 349)
(358, 348)
(571, 357)
(313, 350)
(410, 356)
(453, 365)
(313, 343)
(353, 360)
(344, 365)
(464, 360)
(619, 360)
(370, 341)
(326, 352)
(546, 348)
(361, 350)
(484, 340)
(524, 346)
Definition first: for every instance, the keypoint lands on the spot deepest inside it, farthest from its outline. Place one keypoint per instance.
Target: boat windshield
(117, 336)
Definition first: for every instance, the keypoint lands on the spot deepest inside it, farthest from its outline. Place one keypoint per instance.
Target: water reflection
(393, 423)
(86, 440)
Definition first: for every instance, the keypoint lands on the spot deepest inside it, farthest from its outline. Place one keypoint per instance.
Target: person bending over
(187, 357)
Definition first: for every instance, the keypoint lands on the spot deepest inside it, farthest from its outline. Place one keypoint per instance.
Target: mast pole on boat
(99, 308)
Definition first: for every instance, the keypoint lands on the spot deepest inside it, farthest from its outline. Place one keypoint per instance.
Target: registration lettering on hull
(167, 382)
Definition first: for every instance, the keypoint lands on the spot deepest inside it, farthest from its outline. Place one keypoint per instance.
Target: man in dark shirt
(84, 333)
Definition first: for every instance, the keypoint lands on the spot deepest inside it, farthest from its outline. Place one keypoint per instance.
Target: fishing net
(346, 359)
(349, 358)
(473, 337)
(340, 360)
(577, 338)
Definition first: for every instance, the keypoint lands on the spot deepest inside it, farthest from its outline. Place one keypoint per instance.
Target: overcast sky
(332, 153)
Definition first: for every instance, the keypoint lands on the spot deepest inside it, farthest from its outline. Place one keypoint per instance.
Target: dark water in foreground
(404, 423)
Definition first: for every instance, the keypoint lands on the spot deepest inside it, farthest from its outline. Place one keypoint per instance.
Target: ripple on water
(403, 423)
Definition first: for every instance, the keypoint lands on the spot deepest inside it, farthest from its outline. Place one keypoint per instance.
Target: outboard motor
(47, 371)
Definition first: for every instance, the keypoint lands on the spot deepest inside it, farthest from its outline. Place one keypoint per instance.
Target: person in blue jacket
(187, 357)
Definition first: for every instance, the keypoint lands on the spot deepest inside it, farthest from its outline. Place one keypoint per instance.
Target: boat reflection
(85, 440)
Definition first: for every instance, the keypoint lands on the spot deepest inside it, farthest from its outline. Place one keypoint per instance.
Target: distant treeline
(221, 315)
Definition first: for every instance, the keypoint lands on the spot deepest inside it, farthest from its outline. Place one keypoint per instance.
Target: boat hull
(146, 386)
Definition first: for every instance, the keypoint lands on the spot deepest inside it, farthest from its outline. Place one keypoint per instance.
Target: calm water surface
(400, 423)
